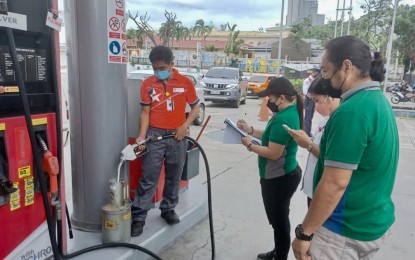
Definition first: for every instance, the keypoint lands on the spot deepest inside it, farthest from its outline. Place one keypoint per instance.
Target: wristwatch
(299, 234)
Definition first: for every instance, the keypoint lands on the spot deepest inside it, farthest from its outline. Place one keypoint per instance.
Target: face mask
(331, 91)
(273, 107)
(162, 75)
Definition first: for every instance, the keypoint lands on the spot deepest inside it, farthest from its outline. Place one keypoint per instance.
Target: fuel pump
(28, 44)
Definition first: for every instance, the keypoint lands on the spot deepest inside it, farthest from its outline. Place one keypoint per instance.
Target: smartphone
(286, 127)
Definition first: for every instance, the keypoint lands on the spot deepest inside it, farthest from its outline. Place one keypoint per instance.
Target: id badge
(170, 105)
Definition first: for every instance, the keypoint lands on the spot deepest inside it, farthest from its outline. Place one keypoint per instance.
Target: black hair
(161, 53)
(358, 52)
(300, 106)
(317, 87)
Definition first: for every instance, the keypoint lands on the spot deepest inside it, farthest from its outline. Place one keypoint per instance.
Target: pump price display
(32, 62)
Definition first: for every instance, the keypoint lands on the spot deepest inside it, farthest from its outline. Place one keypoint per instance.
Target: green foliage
(234, 44)
(297, 84)
(405, 30)
(210, 48)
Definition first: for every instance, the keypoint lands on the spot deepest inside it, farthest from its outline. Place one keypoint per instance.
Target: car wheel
(201, 116)
(235, 103)
(395, 99)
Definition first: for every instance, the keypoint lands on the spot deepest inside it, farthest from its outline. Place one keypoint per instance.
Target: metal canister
(116, 223)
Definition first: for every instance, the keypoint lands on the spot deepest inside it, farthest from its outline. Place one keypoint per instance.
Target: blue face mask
(162, 75)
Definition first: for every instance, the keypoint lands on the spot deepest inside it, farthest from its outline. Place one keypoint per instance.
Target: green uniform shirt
(362, 136)
(275, 133)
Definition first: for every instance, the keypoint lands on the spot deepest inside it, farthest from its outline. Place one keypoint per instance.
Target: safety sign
(116, 32)
(114, 47)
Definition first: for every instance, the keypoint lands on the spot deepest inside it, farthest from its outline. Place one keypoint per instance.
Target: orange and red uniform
(168, 102)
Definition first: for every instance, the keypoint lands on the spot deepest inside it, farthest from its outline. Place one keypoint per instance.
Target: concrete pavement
(241, 227)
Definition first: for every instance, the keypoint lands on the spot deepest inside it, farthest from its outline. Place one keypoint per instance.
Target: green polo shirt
(275, 133)
(362, 136)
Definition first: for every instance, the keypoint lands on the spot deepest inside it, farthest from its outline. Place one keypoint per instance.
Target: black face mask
(272, 106)
(331, 91)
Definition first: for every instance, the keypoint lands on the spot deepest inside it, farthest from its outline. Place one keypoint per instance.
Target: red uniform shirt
(168, 104)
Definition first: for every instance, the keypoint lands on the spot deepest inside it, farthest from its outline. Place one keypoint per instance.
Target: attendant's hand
(141, 143)
(2, 89)
(300, 137)
(180, 132)
(243, 125)
(301, 249)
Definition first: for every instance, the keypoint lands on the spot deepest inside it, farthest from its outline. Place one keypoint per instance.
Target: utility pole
(280, 40)
(389, 50)
(344, 7)
(350, 17)
(337, 16)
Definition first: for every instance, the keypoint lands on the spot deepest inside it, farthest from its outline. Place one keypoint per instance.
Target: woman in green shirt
(277, 163)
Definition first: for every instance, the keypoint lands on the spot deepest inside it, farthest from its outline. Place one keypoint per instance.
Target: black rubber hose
(35, 148)
(209, 186)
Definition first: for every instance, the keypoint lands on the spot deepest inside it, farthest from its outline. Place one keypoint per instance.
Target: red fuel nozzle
(51, 166)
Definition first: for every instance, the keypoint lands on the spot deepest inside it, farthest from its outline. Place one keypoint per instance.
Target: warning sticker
(2, 126)
(29, 200)
(28, 183)
(15, 198)
(24, 172)
(108, 224)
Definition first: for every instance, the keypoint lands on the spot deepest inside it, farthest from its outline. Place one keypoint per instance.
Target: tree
(210, 48)
(405, 31)
(202, 30)
(169, 30)
(134, 34)
(234, 44)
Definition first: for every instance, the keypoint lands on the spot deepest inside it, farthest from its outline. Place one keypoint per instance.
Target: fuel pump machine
(22, 212)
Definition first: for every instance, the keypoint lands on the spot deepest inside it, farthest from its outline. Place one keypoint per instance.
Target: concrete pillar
(98, 98)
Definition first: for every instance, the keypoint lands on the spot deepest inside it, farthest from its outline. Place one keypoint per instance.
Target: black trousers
(276, 195)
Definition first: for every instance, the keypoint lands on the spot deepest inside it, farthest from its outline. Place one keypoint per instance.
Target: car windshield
(258, 79)
(222, 73)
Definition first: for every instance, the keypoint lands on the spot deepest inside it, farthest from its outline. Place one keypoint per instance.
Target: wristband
(252, 130)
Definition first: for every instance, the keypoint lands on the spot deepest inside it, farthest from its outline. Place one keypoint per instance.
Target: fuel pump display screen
(32, 63)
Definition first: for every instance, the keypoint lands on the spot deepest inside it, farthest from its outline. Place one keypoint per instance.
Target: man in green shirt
(352, 209)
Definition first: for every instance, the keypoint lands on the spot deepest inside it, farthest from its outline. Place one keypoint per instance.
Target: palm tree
(234, 43)
(202, 30)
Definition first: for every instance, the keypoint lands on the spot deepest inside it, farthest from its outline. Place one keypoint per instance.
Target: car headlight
(231, 86)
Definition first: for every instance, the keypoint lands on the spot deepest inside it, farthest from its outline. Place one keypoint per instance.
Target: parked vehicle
(400, 97)
(142, 74)
(258, 83)
(225, 85)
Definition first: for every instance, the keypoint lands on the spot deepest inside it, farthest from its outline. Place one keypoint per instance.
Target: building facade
(299, 9)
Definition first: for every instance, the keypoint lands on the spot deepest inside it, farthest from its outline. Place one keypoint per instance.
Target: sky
(249, 15)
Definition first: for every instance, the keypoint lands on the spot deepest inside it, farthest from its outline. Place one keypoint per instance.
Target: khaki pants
(327, 245)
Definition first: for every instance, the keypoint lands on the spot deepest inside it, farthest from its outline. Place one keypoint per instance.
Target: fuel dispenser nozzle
(134, 151)
(50, 165)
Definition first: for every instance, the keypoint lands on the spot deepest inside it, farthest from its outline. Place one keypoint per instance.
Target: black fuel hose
(209, 186)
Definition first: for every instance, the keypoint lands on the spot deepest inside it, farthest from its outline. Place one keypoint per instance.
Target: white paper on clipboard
(233, 134)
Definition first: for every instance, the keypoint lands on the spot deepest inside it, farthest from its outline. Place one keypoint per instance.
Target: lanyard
(165, 88)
